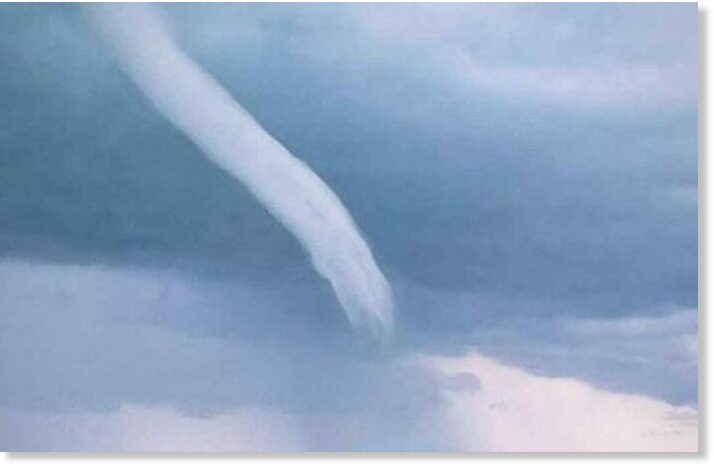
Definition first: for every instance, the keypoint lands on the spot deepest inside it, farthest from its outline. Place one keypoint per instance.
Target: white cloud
(678, 322)
(503, 409)
(149, 429)
(592, 58)
(514, 411)
(538, 55)
(585, 87)
(81, 326)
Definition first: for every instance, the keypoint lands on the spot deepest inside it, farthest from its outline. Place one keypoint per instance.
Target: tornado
(200, 107)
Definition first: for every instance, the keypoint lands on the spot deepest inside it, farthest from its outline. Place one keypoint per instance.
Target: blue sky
(526, 176)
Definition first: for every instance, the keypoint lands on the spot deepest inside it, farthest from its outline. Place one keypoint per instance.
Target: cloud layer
(109, 350)
(513, 411)
(469, 189)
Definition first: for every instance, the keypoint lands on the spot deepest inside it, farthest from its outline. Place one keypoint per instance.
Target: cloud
(514, 411)
(482, 192)
(678, 322)
(197, 104)
(101, 350)
(647, 351)
(148, 429)
(576, 58)
(559, 238)
(91, 339)
(592, 88)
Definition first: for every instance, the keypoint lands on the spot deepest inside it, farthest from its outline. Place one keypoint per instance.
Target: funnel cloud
(230, 137)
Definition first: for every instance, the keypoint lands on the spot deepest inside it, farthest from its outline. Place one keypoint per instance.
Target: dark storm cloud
(457, 188)
(497, 202)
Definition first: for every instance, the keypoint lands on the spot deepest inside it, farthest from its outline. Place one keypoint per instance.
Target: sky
(526, 178)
